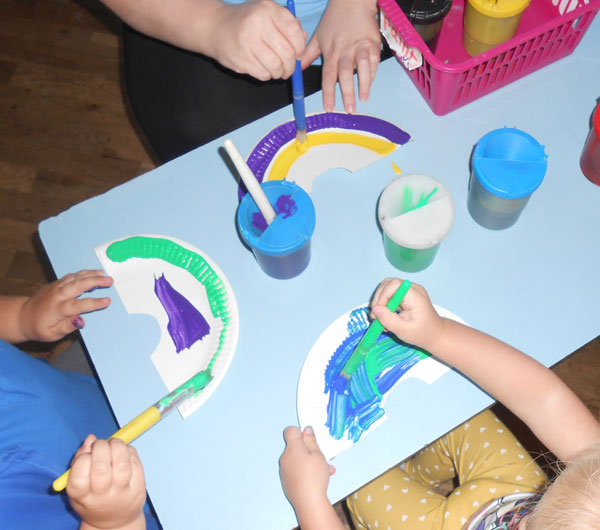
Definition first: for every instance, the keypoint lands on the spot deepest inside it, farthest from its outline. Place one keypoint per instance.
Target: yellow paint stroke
(284, 161)
(397, 170)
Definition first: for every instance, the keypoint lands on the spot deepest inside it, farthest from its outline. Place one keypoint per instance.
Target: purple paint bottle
(282, 249)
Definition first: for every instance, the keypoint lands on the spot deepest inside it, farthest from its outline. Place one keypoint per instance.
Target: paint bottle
(488, 23)
(416, 213)
(426, 16)
(282, 249)
(508, 165)
(590, 156)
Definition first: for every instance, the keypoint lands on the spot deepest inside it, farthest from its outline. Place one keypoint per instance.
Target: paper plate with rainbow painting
(191, 300)
(335, 140)
(341, 411)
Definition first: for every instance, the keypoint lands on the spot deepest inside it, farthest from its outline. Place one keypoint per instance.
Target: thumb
(308, 435)
(388, 319)
(311, 52)
(86, 446)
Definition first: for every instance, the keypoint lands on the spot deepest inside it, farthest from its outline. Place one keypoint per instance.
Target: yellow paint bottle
(488, 23)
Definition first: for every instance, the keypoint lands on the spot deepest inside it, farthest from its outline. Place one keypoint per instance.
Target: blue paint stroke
(355, 405)
(285, 205)
(186, 324)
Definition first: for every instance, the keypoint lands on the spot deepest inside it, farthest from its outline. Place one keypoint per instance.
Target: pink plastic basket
(450, 78)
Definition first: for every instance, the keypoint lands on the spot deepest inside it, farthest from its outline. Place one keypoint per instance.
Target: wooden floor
(66, 135)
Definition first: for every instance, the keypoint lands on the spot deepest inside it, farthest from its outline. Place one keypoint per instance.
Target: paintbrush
(298, 92)
(373, 332)
(251, 182)
(141, 423)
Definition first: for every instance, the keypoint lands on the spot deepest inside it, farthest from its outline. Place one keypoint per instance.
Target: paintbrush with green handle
(373, 332)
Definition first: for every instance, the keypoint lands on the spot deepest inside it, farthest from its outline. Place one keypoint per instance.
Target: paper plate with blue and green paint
(342, 411)
(189, 297)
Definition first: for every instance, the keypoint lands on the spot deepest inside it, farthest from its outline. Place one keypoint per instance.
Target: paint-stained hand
(348, 39)
(257, 37)
(303, 469)
(56, 310)
(417, 322)
(106, 485)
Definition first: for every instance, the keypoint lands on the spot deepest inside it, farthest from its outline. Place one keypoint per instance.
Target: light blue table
(535, 285)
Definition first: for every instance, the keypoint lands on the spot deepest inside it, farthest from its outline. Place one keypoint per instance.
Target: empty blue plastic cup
(508, 166)
(282, 249)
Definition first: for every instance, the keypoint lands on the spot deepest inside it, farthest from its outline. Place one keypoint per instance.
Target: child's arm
(535, 394)
(305, 475)
(54, 311)
(106, 486)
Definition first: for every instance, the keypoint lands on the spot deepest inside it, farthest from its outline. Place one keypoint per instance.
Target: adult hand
(106, 485)
(348, 38)
(258, 37)
(56, 310)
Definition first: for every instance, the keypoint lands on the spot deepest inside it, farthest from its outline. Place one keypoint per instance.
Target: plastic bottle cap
(499, 8)
(509, 163)
(425, 11)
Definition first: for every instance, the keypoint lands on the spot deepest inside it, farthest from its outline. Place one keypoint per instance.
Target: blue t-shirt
(45, 414)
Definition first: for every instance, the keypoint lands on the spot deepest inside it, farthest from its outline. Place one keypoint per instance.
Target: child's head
(572, 502)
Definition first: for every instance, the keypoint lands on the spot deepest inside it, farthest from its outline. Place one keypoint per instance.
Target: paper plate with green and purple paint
(342, 411)
(191, 300)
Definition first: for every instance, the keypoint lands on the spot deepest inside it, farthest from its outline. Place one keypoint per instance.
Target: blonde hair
(572, 501)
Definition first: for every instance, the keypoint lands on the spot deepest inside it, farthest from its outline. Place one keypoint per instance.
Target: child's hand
(106, 485)
(418, 323)
(303, 469)
(55, 310)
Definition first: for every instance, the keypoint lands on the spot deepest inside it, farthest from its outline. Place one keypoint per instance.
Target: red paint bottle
(590, 156)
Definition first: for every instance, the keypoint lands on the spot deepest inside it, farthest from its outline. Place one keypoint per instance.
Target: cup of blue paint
(508, 165)
(416, 213)
(282, 249)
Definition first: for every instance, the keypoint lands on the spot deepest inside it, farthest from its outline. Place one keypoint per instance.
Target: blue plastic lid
(509, 163)
(289, 231)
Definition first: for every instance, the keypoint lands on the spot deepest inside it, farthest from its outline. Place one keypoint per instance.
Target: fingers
(74, 285)
(120, 462)
(101, 469)
(385, 291)
(137, 470)
(346, 78)
(328, 81)
(366, 66)
(292, 434)
(308, 436)
(86, 447)
(311, 52)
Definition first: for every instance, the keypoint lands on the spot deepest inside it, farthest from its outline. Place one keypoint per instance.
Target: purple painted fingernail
(78, 322)
(93, 289)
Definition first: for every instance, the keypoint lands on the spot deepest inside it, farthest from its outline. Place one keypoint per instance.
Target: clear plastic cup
(282, 249)
(590, 156)
(508, 165)
(416, 213)
(488, 23)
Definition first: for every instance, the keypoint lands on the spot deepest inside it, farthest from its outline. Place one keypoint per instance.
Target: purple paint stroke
(285, 205)
(186, 324)
(265, 151)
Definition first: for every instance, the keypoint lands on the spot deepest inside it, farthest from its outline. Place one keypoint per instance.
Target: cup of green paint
(416, 213)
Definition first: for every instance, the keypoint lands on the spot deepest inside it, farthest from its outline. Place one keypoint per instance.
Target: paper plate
(345, 332)
(190, 298)
(349, 141)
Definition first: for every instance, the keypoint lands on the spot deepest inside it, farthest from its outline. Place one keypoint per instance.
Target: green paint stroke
(166, 250)
(192, 386)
